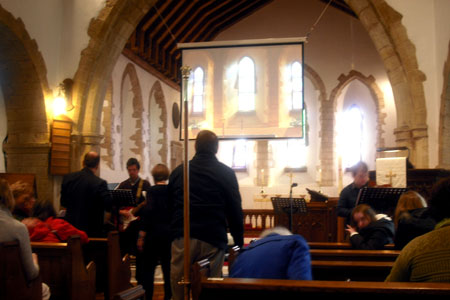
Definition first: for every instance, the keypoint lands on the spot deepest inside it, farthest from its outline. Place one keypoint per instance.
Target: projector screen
(250, 89)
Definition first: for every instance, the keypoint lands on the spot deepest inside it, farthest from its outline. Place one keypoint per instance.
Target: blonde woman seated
(411, 218)
(11, 229)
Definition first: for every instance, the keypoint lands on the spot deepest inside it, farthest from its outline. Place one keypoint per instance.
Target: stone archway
(25, 90)
(444, 122)
(108, 34)
(397, 52)
(157, 93)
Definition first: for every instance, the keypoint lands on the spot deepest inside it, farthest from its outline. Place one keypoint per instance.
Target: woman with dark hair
(44, 226)
(370, 230)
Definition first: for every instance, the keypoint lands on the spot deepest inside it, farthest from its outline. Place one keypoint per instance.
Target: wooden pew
(63, 269)
(354, 255)
(343, 245)
(13, 281)
(351, 270)
(114, 273)
(262, 289)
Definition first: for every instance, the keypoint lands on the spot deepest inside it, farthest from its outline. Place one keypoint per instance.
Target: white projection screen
(250, 89)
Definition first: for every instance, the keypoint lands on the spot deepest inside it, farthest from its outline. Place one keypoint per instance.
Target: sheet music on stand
(382, 200)
(283, 205)
(123, 198)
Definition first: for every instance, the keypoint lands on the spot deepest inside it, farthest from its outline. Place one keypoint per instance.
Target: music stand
(123, 198)
(289, 206)
(382, 200)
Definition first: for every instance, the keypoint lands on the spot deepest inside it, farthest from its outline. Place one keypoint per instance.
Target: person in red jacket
(44, 226)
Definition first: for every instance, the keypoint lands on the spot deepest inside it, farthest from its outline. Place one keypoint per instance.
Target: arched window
(296, 154)
(198, 86)
(296, 87)
(246, 84)
(240, 154)
(351, 137)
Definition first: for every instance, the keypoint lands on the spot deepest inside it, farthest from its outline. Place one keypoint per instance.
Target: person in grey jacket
(11, 230)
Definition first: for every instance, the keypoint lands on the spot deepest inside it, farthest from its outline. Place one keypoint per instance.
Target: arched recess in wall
(108, 34)
(132, 118)
(107, 149)
(444, 122)
(158, 127)
(25, 89)
(398, 53)
(375, 94)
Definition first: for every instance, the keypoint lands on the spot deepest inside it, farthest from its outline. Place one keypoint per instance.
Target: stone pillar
(327, 143)
(419, 135)
(32, 158)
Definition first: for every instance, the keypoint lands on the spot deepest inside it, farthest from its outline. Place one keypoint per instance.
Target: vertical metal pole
(185, 72)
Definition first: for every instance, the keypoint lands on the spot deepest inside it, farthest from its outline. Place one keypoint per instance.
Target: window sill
(296, 170)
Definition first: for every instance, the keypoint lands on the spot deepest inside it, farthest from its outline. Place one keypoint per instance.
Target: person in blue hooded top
(278, 254)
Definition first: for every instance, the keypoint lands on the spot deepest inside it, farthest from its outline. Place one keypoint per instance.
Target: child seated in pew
(370, 231)
(44, 226)
(11, 229)
(411, 218)
(278, 254)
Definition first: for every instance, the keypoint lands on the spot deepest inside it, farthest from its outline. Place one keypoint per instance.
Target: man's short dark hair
(91, 160)
(359, 167)
(206, 141)
(133, 162)
(440, 200)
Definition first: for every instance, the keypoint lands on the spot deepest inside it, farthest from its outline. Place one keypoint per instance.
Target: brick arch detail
(138, 114)
(326, 116)
(444, 118)
(398, 54)
(157, 93)
(108, 141)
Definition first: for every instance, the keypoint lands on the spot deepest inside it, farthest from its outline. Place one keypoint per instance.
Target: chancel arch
(24, 86)
(384, 26)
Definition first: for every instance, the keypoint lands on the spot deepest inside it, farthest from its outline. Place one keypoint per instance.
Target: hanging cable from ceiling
(165, 24)
(317, 21)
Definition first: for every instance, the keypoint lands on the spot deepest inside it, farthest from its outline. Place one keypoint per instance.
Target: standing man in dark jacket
(215, 205)
(86, 197)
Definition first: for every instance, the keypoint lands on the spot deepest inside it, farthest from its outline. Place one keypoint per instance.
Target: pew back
(13, 282)
(354, 255)
(63, 268)
(240, 288)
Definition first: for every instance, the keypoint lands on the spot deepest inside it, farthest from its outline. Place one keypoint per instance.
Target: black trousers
(156, 251)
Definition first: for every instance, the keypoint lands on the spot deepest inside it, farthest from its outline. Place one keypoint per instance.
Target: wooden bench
(354, 255)
(343, 245)
(351, 270)
(261, 289)
(13, 281)
(63, 269)
(113, 270)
